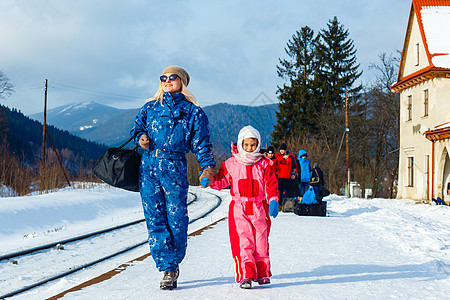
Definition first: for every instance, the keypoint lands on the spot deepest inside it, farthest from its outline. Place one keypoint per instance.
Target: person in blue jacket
(305, 172)
(168, 126)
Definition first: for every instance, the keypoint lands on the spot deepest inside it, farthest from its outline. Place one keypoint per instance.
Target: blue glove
(273, 209)
(204, 182)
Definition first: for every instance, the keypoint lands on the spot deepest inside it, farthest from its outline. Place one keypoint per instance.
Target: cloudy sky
(112, 52)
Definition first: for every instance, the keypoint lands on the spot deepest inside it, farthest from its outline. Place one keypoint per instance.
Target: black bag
(120, 167)
(315, 179)
(319, 209)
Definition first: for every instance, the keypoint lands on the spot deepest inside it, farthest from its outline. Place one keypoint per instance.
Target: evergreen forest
(325, 111)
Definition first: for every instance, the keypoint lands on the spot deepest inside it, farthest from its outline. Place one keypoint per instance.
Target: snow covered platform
(364, 249)
(342, 260)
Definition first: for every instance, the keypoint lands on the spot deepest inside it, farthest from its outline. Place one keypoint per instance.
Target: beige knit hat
(184, 76)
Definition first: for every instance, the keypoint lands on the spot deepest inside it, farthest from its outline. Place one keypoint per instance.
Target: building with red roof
(424, 86)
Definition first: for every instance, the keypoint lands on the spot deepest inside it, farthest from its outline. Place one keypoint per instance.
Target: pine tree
(337, 69)
(336, 73)
(3, 124)
(296, 114)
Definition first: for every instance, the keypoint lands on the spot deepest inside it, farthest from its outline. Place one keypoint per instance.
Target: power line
(28, 88)
(97, 93)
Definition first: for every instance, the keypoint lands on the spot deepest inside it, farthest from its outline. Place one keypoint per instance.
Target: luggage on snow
(288, 204)
(318, 209)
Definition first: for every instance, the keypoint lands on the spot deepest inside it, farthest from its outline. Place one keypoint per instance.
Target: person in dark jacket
(286, 170)
(270, 153)
(294, 155)
(168, 126)
(317, 181)
(305, 172)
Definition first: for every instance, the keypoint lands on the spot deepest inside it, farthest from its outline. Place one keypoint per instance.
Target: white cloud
(230, 48)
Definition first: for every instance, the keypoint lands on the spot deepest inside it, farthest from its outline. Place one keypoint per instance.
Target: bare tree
(386, 107)
(15, 175)
(373, 138)
(6, 87)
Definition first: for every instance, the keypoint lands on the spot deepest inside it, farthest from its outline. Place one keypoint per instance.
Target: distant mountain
(92, 121)
(24, 137)
(111, 126)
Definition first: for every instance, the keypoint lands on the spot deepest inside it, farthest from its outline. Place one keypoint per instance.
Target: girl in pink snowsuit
(252, 179)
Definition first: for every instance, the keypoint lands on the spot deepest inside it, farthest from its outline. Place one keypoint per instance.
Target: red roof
(418, 4)
(421, 3)
(439, 132)
(429, 71)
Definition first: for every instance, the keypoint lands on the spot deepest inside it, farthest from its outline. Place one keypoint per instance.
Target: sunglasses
(172, 77)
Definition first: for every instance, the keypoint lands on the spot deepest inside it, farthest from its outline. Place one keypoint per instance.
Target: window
(417, 54)
(425, 103)
(409, 107)
(410, 171)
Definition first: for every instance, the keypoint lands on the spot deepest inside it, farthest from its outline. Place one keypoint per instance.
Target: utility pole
(45, 132)
(347, 130)
(44, 128)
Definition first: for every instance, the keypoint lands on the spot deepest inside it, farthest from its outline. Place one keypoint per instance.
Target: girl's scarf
(245, 158)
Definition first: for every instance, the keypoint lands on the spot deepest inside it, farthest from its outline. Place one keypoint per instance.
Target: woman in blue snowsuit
(168, 126)
(305, 172)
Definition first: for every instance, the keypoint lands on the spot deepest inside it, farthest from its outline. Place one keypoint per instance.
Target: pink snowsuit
(248, 218)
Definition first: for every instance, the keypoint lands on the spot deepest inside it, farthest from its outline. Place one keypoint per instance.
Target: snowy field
(363, 249)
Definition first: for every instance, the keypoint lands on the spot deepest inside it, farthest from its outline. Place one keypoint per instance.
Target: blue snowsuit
(174, 129)
(305, 172)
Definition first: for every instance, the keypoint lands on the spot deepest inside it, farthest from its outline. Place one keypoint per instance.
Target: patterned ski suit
(248, 219)
(174, 128)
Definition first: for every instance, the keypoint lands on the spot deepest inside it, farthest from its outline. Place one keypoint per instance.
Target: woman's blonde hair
(159, 95)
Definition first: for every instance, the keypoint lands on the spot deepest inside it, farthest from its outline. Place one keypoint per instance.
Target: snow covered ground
(363, 249)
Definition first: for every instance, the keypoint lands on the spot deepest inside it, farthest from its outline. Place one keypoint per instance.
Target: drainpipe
(432, 169)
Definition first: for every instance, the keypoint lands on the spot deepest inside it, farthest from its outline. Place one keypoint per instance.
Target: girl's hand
(207, 174)
(273, 208)
(144, 141)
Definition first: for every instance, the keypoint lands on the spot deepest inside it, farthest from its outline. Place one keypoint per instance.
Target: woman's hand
(144, 141)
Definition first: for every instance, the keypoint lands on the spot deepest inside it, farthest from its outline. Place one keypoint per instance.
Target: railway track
(83, 243)
(19, 253)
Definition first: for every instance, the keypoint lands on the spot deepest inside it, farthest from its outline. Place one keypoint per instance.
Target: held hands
(144, 141)
(273, 209)
(204, 182)
(206, 177)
